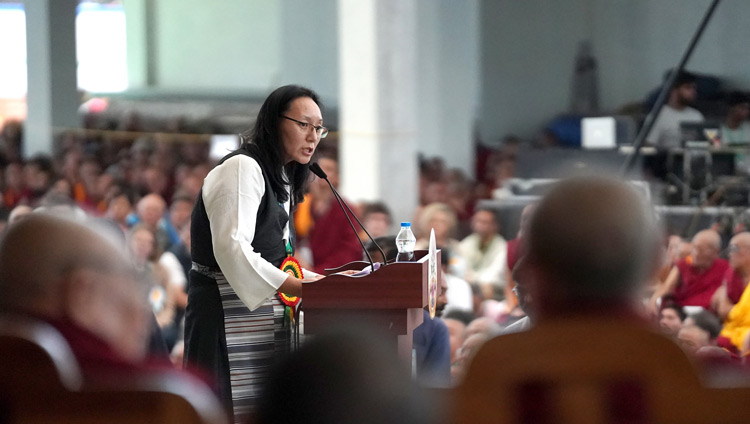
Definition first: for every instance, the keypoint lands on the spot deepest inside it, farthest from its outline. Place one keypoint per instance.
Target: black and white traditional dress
(234, 323)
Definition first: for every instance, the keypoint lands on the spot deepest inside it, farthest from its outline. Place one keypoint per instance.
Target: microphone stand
(318, 171)
(341, 204)
(385, 260)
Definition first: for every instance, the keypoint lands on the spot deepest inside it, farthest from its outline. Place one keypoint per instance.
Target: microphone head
(315, 168)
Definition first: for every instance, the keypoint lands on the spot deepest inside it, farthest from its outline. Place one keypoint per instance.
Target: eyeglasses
(733, 248)
(320, 130)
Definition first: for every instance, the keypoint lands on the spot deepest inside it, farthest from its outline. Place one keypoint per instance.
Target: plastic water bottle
(405, 242)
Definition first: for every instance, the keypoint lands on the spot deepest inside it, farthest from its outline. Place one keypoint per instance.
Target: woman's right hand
(315, 277)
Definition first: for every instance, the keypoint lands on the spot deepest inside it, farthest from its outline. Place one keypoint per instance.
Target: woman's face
(441, 222)
(299, 143)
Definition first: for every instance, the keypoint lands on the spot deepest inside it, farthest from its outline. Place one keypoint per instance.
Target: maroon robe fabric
(696, 285)
(735, 284)
(332, 241)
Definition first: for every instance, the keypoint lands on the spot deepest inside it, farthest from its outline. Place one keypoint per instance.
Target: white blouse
(232, 193)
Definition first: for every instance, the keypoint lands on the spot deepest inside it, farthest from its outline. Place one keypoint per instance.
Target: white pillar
(377, 91)
(52, 98)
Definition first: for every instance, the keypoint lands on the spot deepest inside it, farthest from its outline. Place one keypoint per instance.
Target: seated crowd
(143, 194)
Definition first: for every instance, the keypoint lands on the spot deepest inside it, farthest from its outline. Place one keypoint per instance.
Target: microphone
(318, 171)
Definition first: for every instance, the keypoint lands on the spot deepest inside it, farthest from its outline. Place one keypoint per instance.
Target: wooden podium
(391, 299)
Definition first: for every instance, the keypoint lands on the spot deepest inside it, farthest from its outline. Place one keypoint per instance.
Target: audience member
(734, 335)
(459, 196)
(442, 219)
(11, 138)
(514, 252)
(699, 330)
(677, 248)
(150, 211)
(484, 252)
(330, 239)
(456, 322)
(387, 243)
(89, 293)
(178, 216)
(671, 317)
(344, 377)
(590, 248)
(459, 295)
(119, 200)
(376, 217)
(15, 193)
(695, 279)
(735, 130)
(521, 291)
(432, 348)
(666, 130)
(735, 278)
(157, 287)
(38, 175)
(177, 263)
(85, 187)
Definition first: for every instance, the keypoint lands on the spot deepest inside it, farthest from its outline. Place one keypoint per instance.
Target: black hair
(708, 322)
(445, 256)
(44, 163)
(465, 317)
(264, 142)
(492, 212)
(387, 243)
(668, 302)
(122, 188)
(377, 207)
(684, 78)
(736, 98)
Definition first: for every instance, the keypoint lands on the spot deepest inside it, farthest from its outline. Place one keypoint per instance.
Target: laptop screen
(700, 133)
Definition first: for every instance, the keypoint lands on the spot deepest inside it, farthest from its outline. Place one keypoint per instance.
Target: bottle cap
(406, 224)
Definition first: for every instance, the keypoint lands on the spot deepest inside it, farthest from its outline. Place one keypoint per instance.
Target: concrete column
(52, 98)
(377, 92)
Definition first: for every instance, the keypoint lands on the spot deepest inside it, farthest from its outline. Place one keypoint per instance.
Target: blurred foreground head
(349, 375)
(69, 271)
(591, 244)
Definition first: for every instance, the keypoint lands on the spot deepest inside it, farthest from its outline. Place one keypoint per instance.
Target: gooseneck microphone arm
(315, 168)
(385, 260)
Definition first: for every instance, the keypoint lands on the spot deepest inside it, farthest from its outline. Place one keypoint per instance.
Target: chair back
(584, 371)
(40, 382)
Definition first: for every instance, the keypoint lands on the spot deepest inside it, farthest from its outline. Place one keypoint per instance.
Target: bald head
(61, 269)
(739, 252)
(39, 250)
(591, 239)
(151, 209)
(706, 245)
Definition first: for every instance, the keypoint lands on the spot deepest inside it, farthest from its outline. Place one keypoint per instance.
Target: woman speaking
(237, 322)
